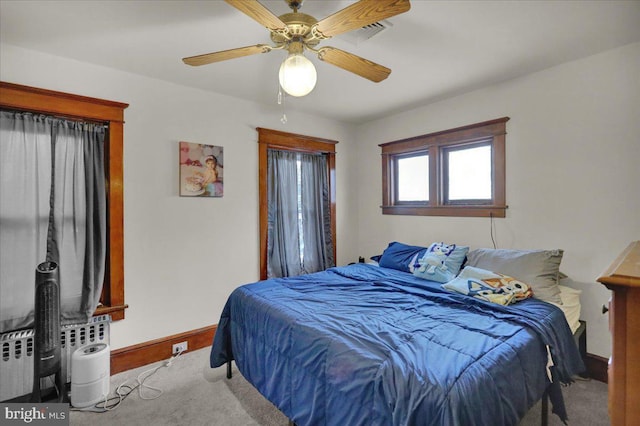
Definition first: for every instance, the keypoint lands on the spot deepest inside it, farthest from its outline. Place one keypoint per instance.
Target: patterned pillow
(440, 262)
(538, 268)
(489, 286)
(425, 262)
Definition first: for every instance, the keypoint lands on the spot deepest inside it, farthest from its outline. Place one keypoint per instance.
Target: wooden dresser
(623, 279)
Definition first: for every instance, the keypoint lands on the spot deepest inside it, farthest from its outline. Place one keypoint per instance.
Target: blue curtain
(299, 238)
(52, 207)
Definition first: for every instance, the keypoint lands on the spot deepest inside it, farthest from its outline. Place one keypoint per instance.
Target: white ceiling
(436, 50)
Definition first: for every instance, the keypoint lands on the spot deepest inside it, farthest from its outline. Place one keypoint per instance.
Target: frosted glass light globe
(297, 75)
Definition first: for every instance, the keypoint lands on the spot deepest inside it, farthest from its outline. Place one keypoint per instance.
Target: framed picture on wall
(201, 170)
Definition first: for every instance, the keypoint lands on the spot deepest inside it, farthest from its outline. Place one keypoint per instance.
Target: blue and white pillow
(439, 262)
(489, 286)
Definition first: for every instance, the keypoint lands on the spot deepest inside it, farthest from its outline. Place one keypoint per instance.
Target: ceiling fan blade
(258, 12)
(359, 14)
(223, 55)
(355, 64)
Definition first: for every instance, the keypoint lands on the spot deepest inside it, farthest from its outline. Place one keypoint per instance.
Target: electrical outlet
(179, 347)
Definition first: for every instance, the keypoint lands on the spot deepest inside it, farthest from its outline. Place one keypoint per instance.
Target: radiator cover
(16, 364)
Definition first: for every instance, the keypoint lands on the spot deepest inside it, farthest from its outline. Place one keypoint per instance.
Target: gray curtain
(316, 213)
(283, 237)
(299, 237)
(52, 207)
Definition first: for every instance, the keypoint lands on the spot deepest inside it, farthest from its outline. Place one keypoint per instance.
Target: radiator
(16, 365)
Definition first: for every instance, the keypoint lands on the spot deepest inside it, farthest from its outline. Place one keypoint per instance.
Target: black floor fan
(47, 359)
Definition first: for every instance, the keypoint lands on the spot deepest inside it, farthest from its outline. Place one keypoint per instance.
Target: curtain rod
(59, 117)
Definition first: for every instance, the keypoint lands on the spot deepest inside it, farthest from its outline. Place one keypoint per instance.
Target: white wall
(573, 180)
(184, 256)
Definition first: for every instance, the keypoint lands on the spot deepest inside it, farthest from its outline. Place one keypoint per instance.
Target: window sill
(116, 312)
(455, 211)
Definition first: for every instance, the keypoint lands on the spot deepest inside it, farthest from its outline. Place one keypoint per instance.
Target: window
(457, 172)
(412, 178)
(32, 99)
(468, 174)
(296, 156)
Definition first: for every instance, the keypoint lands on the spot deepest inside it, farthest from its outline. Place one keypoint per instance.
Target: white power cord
(125, 389)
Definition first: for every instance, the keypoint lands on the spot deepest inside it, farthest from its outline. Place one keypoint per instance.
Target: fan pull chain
(281, 97)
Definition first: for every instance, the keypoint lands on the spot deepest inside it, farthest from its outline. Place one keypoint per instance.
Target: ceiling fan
(296, 32)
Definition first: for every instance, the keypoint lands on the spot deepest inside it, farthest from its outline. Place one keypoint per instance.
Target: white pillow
(571, 306)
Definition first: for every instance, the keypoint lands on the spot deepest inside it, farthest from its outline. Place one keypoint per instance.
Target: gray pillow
(538, 268)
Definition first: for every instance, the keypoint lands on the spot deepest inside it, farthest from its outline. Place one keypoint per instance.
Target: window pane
(470, 173)
(413, 178)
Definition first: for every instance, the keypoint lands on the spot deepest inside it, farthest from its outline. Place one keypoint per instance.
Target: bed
(370, 345)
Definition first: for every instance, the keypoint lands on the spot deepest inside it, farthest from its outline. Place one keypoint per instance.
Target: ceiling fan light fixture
(295, 32)
(297, 75)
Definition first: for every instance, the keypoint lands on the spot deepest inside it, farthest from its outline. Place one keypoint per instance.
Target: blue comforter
(365, 345)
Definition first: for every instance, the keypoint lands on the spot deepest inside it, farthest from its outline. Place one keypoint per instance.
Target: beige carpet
(194, 394)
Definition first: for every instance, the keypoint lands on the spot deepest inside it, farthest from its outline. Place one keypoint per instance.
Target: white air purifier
(90, 374)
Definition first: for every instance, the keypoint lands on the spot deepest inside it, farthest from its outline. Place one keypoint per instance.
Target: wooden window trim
(493, 130)
(26, 98)
(273, 139)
